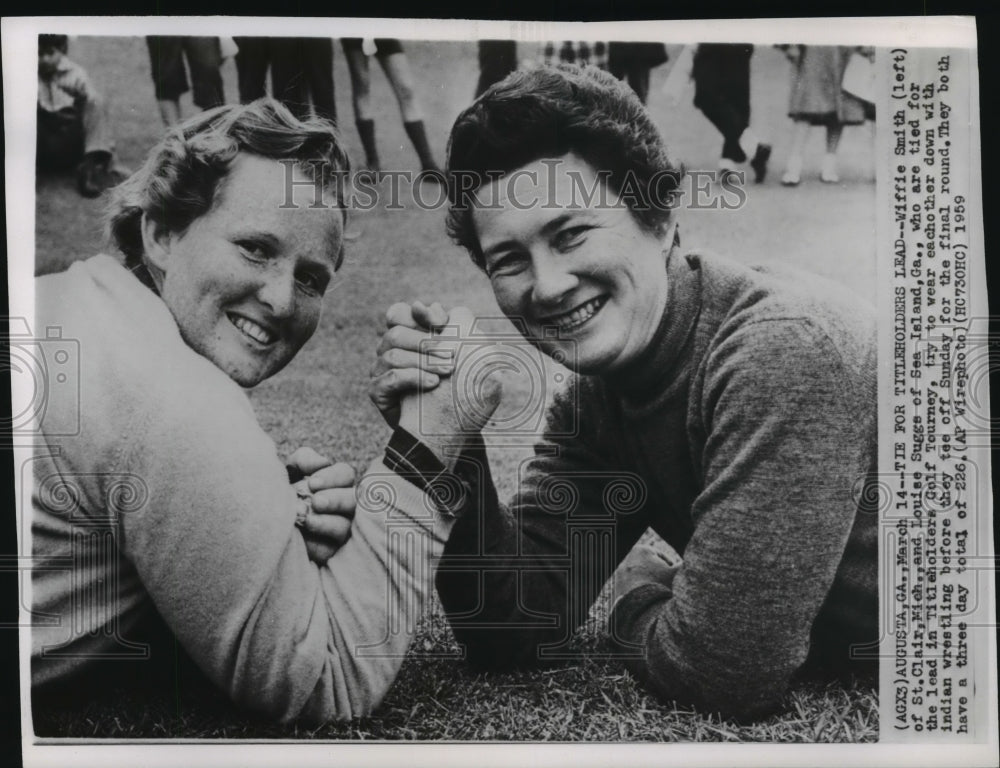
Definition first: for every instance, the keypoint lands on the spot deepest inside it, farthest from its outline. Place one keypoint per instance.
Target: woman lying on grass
(731, 409)
(158, 491)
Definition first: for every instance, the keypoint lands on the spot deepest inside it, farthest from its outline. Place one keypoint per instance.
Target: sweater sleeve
(216, 549)
(782, 452)
(517, 580)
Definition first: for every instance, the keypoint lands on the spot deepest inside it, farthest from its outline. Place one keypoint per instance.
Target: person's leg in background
(632, 72)
(252, 60)
(77, 138)
(98, 169)
(397, 69)
(637, 76)
(828, 171)
(59, 145)
(722, 92)
(204, 58)
(357, 65)
(632, 62)
(497, 59)
(317, 59)
(169, 77)
(793, 170)
(96, 126)
(288, 79)
(712, 100)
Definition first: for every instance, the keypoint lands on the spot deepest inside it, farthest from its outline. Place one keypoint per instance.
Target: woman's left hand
(328, 488)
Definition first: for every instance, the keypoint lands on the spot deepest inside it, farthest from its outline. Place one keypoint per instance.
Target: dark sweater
(744, 438)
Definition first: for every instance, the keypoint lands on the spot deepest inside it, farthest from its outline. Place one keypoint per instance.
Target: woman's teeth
(578, 316)
(251, 329)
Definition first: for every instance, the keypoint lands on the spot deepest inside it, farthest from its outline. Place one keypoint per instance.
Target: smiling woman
(246, 280)
(159, 493)
(588, 281)
(207, 222)
(737, 404)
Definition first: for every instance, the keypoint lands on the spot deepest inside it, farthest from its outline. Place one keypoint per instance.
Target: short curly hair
(550, 112)
(180, 179)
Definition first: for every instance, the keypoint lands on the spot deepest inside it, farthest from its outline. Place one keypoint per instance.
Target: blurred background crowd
(829, 87)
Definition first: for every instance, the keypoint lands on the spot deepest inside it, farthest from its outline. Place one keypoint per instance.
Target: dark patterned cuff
(413, 461)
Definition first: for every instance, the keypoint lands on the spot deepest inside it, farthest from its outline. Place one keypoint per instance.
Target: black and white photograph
(475, 386)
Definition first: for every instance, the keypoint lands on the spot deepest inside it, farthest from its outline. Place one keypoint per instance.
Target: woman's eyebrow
(262, 237)
(499, 247)
(554, 224)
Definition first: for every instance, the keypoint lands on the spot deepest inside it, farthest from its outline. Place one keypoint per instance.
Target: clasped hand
(417, 382)
(412, 385)
(329, 489)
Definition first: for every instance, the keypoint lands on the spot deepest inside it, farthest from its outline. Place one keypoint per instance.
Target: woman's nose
(552, 279)
(278, 293)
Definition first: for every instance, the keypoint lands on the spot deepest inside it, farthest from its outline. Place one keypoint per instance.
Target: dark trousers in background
(204, 57)
(60, 140)
(301, 72)
(632, 62)
(64, 137)
(636, 75)
(497, 59)
(721, 75)
(253, 57)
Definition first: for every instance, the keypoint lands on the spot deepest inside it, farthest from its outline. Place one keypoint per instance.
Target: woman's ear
(156, 243)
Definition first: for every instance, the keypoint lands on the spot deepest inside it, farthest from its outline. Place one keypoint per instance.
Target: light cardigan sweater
(744, 437)
(170, 494)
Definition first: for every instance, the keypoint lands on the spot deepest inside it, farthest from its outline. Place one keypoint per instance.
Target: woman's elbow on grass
(334, 699)
(745, 700)
(742, 692)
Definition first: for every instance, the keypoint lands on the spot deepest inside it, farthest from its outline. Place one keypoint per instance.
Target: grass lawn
(321, 400)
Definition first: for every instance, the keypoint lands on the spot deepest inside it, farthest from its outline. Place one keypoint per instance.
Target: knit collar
(645, 378)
